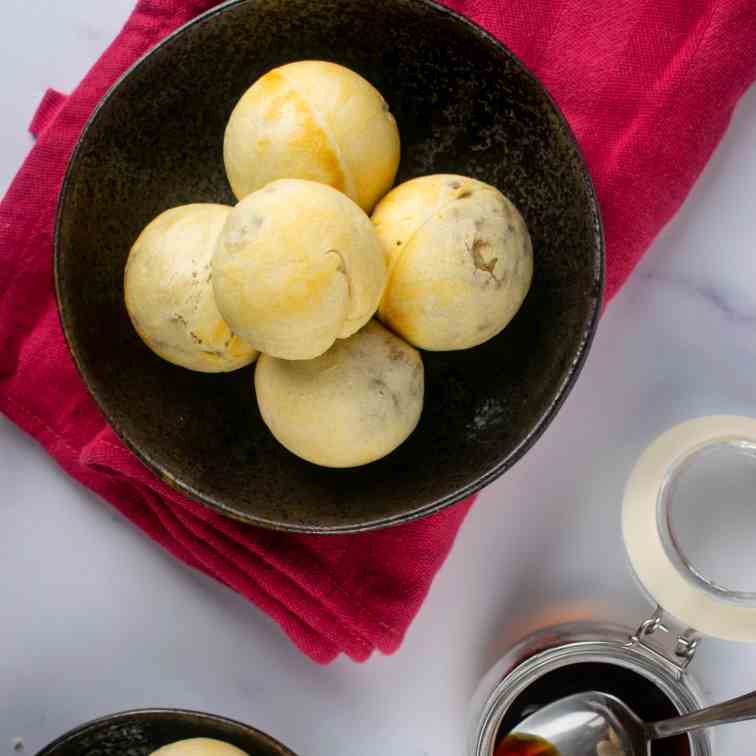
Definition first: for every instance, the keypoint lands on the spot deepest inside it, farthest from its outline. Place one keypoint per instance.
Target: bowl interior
(139, 733)
(464, 105)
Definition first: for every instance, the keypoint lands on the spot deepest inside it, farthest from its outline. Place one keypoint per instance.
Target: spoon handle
(735, 710)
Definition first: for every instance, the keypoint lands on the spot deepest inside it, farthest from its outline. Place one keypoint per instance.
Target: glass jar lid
(689, 524)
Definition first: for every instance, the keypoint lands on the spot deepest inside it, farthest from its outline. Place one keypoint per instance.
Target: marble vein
(721, 297)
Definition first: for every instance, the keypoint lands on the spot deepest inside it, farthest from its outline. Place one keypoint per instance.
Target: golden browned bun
(317, 121)
(169, 294)
(350, 406)
(460, 261)
(199, 747)
(297, 266)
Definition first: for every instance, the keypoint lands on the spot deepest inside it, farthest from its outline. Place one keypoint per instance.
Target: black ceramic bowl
(140, 732)
(464, 104)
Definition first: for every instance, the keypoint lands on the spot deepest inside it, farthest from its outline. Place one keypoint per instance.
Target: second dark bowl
(142, 731)
(464, 104)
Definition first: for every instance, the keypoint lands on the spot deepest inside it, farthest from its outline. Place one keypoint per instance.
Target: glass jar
(684, 486)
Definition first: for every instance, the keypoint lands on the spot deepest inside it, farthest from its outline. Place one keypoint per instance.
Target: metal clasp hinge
(685, 643)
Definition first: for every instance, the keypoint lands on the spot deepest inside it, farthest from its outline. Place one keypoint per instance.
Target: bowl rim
(547, 415)
(92, 724)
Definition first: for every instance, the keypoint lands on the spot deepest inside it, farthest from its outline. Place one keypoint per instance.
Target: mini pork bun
(350, 406)
(313, 120)
(460, 261)
(199, 747)
(169, 294)
(297, 266)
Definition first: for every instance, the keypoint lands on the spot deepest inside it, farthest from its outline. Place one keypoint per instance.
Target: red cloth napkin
(648, 86)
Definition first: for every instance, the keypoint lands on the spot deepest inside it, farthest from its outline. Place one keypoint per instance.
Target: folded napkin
(647, 85)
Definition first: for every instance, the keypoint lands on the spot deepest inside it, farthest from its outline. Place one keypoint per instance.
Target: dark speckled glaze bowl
(140, 732)
(464, 104)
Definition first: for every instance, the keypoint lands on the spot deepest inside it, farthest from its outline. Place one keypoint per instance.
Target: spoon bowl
(597, 724)
(588, 723)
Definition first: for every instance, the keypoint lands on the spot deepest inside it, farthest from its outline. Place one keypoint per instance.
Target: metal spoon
(596, 724)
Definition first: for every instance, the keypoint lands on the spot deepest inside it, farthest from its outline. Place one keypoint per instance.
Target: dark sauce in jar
(640, 694)
(524, 745)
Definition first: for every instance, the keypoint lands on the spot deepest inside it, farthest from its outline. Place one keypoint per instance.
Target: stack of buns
(295, 273)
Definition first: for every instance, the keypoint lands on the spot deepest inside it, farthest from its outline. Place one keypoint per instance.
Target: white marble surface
(94, 618)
